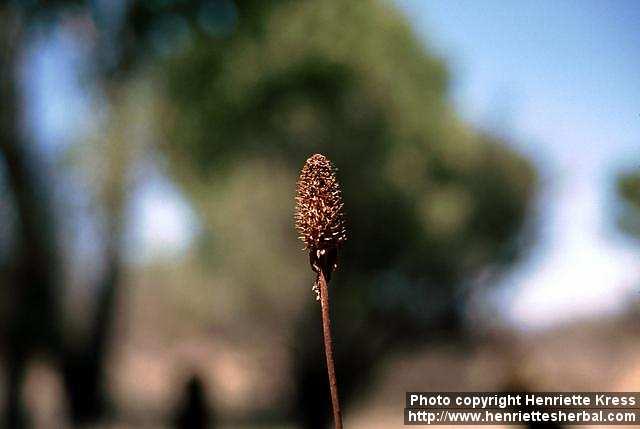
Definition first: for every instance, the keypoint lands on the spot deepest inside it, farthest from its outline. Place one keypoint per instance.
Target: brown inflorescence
(320, 222)
(319, 215)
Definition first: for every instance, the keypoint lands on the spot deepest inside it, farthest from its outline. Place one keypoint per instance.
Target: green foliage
(628, 189)
(430, 202)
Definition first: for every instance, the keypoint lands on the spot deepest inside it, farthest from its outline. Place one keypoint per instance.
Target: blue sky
(562, 80)
(569, 68)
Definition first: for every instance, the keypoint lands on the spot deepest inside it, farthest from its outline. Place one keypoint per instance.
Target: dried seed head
(319, 217)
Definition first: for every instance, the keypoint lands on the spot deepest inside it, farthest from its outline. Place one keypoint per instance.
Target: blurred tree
(122, 34)
(431, 203)
(628, 190)
(34, 270)
(253, 88)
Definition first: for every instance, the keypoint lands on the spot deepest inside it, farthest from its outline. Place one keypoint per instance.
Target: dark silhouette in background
(194, 412)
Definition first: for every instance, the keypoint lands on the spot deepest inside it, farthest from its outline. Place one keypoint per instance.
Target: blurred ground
(244, 376)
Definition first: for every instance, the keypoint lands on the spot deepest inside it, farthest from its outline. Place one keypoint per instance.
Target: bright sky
(562, 79)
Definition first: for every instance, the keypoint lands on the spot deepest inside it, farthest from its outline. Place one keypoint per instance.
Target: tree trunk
(34, 281)
(84, 366)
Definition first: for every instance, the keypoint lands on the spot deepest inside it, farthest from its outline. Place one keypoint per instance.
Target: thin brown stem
(328, 349)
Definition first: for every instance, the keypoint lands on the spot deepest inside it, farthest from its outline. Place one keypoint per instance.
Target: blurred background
(151, 275)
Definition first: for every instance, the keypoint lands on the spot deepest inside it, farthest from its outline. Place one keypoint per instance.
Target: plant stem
(328, 349)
